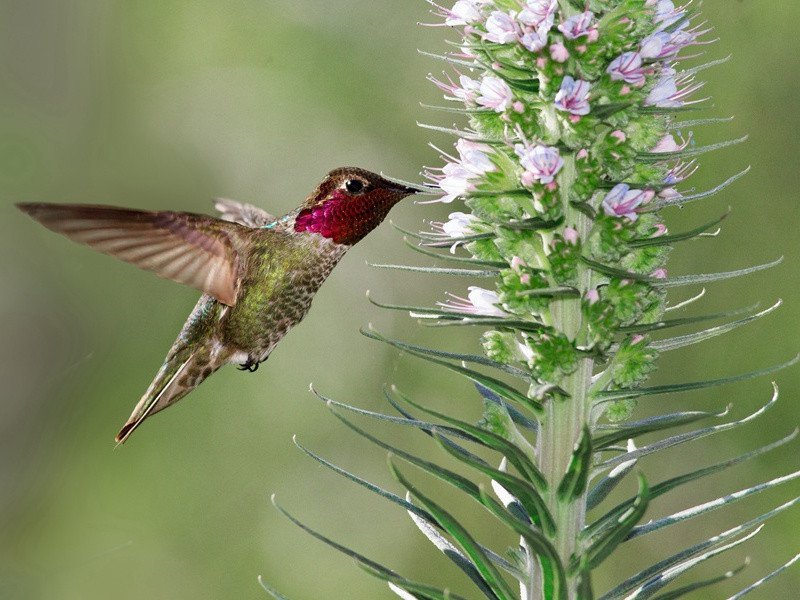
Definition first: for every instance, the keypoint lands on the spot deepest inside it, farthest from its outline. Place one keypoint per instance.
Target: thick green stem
(565, 417)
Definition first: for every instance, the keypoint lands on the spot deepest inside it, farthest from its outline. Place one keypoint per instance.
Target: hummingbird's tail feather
(180, 374)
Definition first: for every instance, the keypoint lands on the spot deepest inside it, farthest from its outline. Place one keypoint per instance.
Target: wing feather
(244, 214)
(195, 250)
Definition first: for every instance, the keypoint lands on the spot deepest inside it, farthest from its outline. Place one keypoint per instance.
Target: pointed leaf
(700, 336)
(681, 200)
(574, 482)
(655, 157)
(547, 555)
(763, 580)
(606, 435)
(685, 437)
(515, 455)
(602, 547)
(523, 491)
(272, 592)
(667, 323)
(516, 416)
(665, 240)
(687, 589)
(606, 485)
(689, 385)
(453, 258)
(623, 589)
(449, 550)
(473, 358)
(476, 554)
(668, 575)
(493, 384)
(440, 270)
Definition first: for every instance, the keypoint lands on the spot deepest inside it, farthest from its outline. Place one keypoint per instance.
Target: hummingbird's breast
(282, 271)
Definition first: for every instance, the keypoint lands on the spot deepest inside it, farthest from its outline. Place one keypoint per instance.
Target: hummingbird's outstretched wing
(244, 214)
(195, 250)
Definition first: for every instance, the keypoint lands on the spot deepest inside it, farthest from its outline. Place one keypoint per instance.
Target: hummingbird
(258, 273)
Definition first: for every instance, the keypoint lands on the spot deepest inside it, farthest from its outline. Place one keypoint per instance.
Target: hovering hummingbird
(258, 273)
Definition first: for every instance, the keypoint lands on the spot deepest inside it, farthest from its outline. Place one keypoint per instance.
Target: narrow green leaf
(602, 547)
(763, 580)
(677, 125)
(623, 590)
(670, 484)
(706, 507)
(523, 491)
(700, 336)
(675, 281)
(665, 240)
(495, 322)
(430, 531)
(272, 592)
(417, 590)
(416, 423)
(655, 157)
(574, 482)
(668, 575)
(533, 224)
(440, 270)
(685, 437)
(515, 455)
(681, 200)
(668, 323)
(687, 589)
(561, 291)
(359, 558)
(607, 396)
(606, 485)
(497, 386)
(473, 358)
(412, 508)
(470, 547)
(453, 258)
(516, 416)
(634, 429)
(549, 561)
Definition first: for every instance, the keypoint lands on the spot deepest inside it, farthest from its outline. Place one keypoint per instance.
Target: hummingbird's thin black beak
(407, 190)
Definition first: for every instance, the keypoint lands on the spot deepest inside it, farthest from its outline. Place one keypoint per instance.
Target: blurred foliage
(165, 104)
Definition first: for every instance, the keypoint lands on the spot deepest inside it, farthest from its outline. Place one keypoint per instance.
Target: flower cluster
(566, 162)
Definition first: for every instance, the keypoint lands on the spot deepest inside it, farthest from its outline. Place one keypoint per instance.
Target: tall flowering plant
(570, 154)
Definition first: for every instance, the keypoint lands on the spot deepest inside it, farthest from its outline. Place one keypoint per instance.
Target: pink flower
(541, 163)
(534, 40)
(628, 68)
(578, 25)
(573, 96)
(501, 28)
(538, 13)
(622, 201)
(495, 94)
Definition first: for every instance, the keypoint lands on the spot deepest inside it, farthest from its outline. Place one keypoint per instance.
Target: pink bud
(625, 90)
(583, 153)
(636, 339)
(559, 53)
(517, 263)
(659, 274)
(592, 297)
(571, 235)
(619, 134)
(541, 62)
(518, 107)
(528, 179)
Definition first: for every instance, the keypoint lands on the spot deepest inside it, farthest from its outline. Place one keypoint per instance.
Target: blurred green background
(165, 104)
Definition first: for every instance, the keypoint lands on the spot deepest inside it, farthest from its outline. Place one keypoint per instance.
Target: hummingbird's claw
(251, 366)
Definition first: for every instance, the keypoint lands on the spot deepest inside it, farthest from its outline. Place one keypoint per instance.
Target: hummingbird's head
(348, 204)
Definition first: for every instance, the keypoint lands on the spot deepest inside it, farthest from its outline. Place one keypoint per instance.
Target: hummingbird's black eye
(354, 186)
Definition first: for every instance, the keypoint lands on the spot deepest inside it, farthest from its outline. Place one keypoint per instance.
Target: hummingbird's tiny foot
(251, 365)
